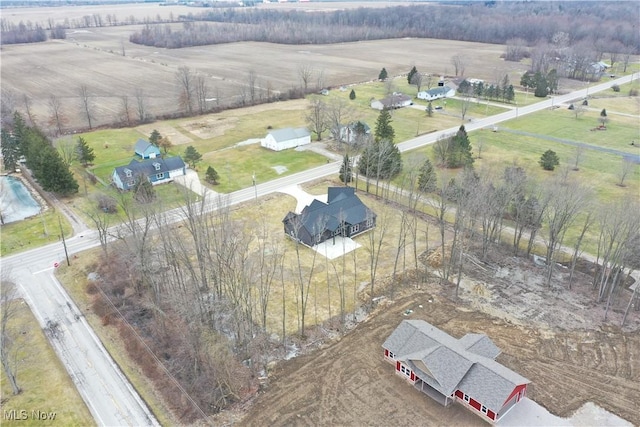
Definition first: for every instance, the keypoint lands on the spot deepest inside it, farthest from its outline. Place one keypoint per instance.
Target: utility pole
(64, 243)
(255, 187)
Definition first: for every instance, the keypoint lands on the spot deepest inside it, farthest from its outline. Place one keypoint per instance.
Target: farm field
(93, 57)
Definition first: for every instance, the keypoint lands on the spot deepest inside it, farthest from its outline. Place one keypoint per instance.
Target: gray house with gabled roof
(344, 214)
(449, 369)
(157, 171)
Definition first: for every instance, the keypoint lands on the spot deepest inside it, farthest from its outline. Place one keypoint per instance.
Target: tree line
(613, 24)
(45, 162)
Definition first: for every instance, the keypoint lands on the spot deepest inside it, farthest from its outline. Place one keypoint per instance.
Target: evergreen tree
(427, 180)
(542, 86)
(603, 117)
(191, 156)
(429, 109)
(528, 80)
(44, 161)
(384, 130)
(460, 152)
(346, 174)
(478, 89)
(155, 137)
(352, 94)
(212, 176)
(504, 87)
(383, 75)
(10, 150)
(143, 190)
(549, 160)
(412, 73)
(84, 153)
(510, 94)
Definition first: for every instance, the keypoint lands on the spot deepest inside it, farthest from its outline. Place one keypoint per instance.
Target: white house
(437, 93)
(281, 139)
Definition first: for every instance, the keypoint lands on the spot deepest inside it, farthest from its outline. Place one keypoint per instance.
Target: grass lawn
(45, 384)
(33, 232)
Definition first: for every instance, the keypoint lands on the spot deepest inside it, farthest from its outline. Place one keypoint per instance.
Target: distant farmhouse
(437, 93)
(353, 130)
(454, 370)
(146, 150)
(281, 139)
(344, 215)
(157, 171)
(396, 100)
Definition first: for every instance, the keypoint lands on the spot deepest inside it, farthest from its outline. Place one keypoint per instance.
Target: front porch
(432, 392)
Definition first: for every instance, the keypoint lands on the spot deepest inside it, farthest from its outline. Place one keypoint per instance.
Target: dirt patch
(552, 336)
(210, 126)
(166, 130)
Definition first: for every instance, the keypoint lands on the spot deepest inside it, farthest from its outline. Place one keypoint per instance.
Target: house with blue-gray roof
(156, 171)
(146, 150)
(344, 215)
(455, 370)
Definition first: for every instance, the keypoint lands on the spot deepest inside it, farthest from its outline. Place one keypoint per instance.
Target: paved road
(108, 394)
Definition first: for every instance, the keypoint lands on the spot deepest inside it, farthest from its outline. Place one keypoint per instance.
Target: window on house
(369, 222)
(355, 228)
(391, 355)
(159, 176)
(484, 409)
(318, 237)
(157, 166)
(127, 172)
(131, 183)
(466, 398)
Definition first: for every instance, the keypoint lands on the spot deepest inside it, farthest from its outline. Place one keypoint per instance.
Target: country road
(108, 394)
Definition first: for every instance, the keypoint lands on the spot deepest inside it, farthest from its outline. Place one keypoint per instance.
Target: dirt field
(348, 382)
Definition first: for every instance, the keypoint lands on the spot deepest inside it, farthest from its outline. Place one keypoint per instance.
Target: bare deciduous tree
(57, 117)
(626, 167)
(459, 64)
(202, 93)
(186, 89)
(305, 72)
(318, 118)
(9, 338)
(141, 105)
(87, 104)
(125, 113)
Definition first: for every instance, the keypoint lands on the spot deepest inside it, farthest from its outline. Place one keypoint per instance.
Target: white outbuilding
(281, 139)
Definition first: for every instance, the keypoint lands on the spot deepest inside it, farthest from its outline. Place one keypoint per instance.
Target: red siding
(386, 352)
(413, 376)
(459, 394)
(475, 404)
(490, 414)
(397, 366)
(515, 391)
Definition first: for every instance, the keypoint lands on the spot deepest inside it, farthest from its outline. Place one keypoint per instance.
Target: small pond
(16, 203)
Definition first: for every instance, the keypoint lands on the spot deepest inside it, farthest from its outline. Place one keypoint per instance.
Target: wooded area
(612, 26)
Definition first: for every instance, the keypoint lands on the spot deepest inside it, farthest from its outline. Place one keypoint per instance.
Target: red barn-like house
(449, 369)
